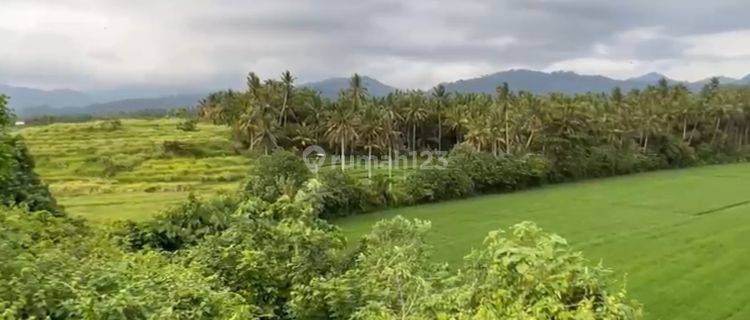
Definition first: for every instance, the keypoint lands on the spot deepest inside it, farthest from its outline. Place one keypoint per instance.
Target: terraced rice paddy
(132, 172)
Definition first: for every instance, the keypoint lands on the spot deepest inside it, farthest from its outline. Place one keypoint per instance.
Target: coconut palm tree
(441, 97)
(357, 91)
(341, 128)
(288, 86)
(371, 132)
(414, 112)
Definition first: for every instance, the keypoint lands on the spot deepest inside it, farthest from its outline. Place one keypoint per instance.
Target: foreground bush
(280, 173)
(56, 268)
(279, 260)
(181, 226)
(522, 274)
(19, 184)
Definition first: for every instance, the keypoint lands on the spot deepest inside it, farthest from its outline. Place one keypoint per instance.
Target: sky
(106, 44)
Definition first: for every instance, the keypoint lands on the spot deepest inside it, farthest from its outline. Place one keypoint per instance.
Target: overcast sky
(100, 44)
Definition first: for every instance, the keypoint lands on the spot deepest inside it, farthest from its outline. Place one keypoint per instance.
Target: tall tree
(342, 128)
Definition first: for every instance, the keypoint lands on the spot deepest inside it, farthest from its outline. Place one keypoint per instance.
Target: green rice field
(106, 174)
(678, 238)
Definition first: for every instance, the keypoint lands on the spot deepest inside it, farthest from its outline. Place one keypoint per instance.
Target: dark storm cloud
(409, 43)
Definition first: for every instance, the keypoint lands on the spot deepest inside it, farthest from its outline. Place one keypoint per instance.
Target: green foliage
(499, 173)
(389, 277)
(55, 268)
(109, 125)
(188, 125)
(522, 274)
(6, 115)
(436, 184)
(271, 249)
(171, 148)
(527, 274)
(19, 184)
(343, 195)
(181, 226)
(280, 173)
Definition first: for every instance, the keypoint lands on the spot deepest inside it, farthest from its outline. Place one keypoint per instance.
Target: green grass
(106, 175)
(679, 236)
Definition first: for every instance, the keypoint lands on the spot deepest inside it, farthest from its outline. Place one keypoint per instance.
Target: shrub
(180, 226)
(271, 250)
(279, 173)
(499, 173)
(172, 148)
(188, 125)
(56, 268)
(436, 184)
(19, 184)
(109, 125)
(522, 274)
(342, 194)
(527, 273)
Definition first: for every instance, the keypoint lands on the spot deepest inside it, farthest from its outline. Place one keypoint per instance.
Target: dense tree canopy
(664, 120)
(19, 184)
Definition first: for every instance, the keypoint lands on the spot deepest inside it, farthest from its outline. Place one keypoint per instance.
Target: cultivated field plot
(679, 238)
(107, 171)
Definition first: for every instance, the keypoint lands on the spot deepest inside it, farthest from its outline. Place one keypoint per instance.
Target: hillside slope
(106, 173)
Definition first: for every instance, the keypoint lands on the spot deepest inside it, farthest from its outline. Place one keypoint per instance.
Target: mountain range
(28, 102)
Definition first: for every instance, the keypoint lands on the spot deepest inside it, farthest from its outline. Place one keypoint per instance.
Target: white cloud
(731, 44)
(95, 44)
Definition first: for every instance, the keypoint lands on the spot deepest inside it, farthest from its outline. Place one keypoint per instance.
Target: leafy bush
(271, 250)
(182, 225)
(188, 125)
(280, 173)
(499, 173)
(528, 274)
(56, 268)
(109, 125)
(19, 184)
(522, 274)
(436, 184)
(343, 194)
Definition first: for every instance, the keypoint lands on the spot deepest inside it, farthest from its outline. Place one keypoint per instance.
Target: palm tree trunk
(343, 156)
(369, 165)
(528, 142)
(390, 166)
(283, 109)
(716, 130)
(684, 128)
(440, 133)
(414, 137)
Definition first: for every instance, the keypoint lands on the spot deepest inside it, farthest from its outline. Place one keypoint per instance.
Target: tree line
(273, 114)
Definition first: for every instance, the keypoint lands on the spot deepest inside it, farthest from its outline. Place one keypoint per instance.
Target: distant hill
(650, 78)
(330, 88)
(115, 107)
(21, 97)
(569, 82)
(540, 82)
(28, 102)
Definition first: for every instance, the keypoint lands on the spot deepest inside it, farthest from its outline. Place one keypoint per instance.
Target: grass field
(129, 172)
(680, 236)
